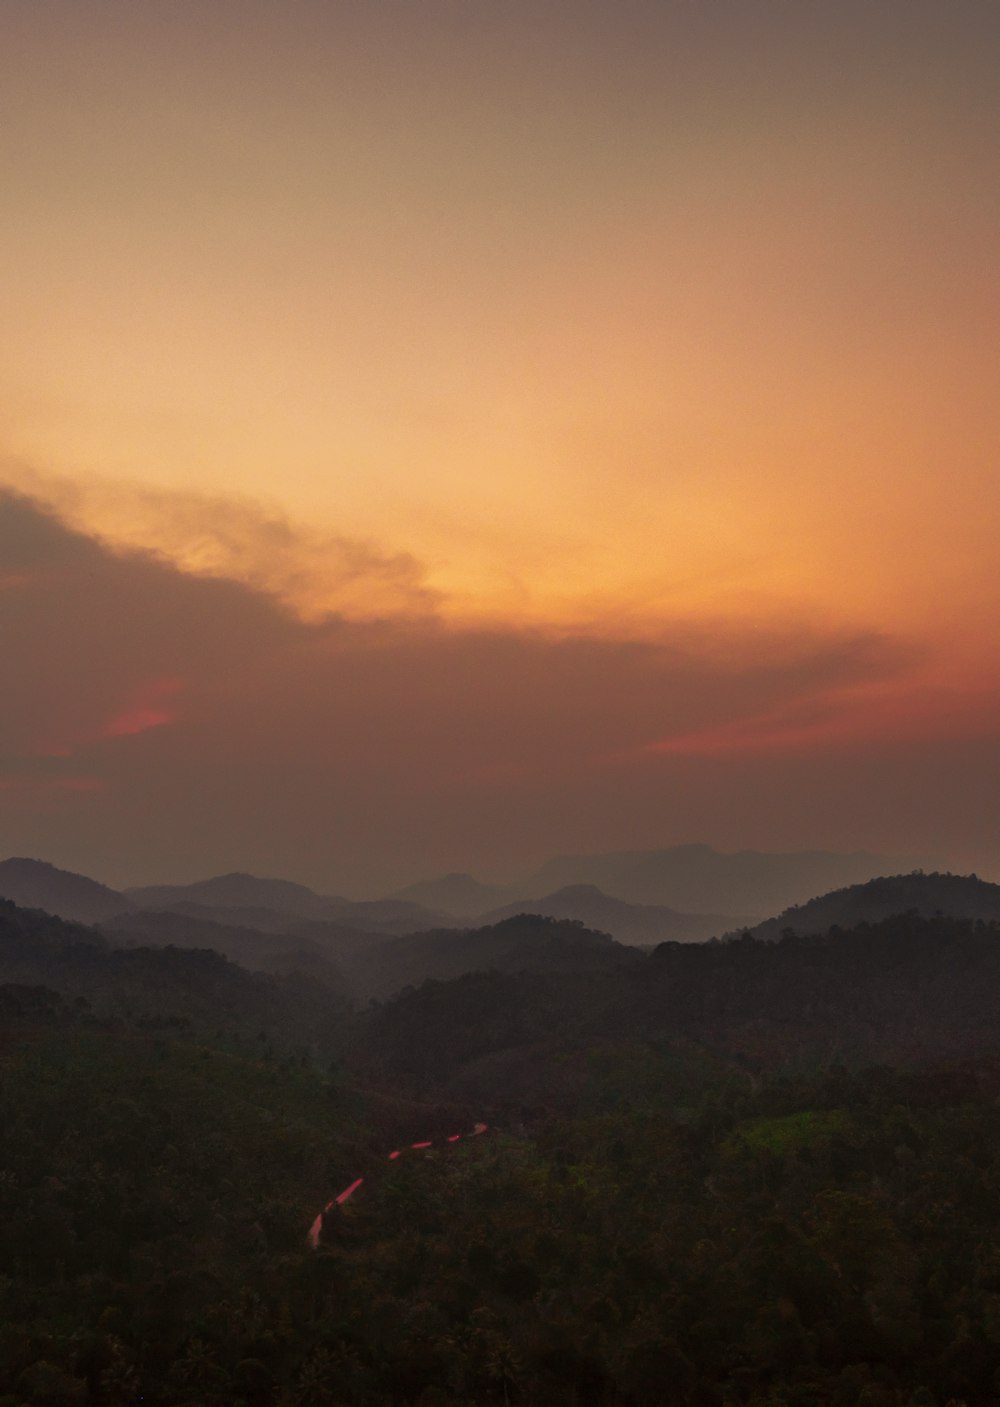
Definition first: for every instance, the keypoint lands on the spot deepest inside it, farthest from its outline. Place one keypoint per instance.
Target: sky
(438, 436)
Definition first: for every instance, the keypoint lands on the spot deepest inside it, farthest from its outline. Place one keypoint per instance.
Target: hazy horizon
(438, 437)
(500, 438)
(499, 879)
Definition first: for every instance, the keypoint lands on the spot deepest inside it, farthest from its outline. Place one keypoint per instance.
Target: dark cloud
(240, 540)
(84, 628)
(158, 724)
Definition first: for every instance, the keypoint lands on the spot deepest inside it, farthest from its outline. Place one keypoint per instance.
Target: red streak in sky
(147, 709)
(137, 720)
(847, 717)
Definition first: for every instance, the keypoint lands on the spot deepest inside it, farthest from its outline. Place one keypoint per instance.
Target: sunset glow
(499, 417)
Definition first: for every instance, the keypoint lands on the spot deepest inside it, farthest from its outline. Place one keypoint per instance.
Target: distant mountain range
(376, 947)
(241, 899)
(245, 891)
(692, 879)
(685, 881)
(280, 907)
(140, 964)
(232, 891)
(641, 925)
(371, 948)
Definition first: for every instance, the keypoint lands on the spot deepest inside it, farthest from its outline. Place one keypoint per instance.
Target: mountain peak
(958, 896)
(37, 884)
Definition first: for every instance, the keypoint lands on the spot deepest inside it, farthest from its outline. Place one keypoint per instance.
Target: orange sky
(656, 326)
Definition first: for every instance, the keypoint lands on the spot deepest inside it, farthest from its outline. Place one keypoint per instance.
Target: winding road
(315, 1231)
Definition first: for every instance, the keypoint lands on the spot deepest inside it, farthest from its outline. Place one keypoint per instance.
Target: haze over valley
(500, 709)
(185, 1095)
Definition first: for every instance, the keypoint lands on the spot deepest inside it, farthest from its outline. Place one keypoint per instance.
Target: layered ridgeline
(640, 897)
(146, 957)
(364, 965)
(901, 991)
(698, 893)
(375, 948)
(694, 879)
(921, 982)
(242, 898)
(642, 925)
(166, 988)
(695, 1180)
(524, 943)
(360, 927)
(258, 949)
(238, 894)
(35, 884)
(900, 969)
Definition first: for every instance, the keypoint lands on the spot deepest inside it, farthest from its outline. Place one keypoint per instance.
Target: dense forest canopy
(745, 1172)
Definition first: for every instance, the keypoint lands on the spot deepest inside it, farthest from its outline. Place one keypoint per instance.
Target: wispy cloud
(905, 709)
(149, 707)
(139, 696)
(313, 571)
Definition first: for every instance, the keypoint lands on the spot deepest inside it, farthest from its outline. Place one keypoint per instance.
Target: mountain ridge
(37, 884)
(696, 878)
(927, 895)
(693, 878)
(639, 925)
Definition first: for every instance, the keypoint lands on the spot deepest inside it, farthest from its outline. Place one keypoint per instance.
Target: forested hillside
(522, 943)
(193, 991)
(958, 896)
(362, 964)
(722, 1175)
(905, 990)
(643, 925)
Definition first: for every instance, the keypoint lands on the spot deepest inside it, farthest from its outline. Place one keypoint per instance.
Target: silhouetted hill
(233, 891)
(238, 894)
(36, 933)
(173, 988)
(698, 879)
(368, 963)
(35, 884)
(331, 936)
(523, 943)
(637, 924)
(956, 896)
(252, 949)
(904, 990)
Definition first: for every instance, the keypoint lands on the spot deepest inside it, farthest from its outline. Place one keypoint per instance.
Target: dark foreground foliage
(722, 1194)
(688, 1237)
